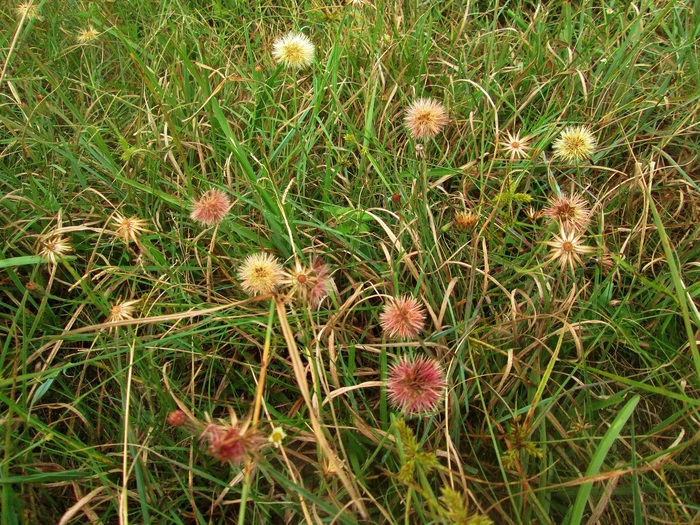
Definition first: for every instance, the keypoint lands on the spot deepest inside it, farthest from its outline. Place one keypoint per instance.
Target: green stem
(244, 494)
(259, 391)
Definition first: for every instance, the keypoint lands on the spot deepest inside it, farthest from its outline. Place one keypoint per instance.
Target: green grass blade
(20, 261)
(599, 458)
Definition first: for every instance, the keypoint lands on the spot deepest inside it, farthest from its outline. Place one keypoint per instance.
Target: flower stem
(259, 393)
(260, 390)
(244, 492)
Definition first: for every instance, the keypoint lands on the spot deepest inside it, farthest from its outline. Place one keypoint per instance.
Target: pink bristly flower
(311, 284)
(231, 443)
(323, 283)
(415, 385)
(425, 118)
(188, 423)
(177, 418)
(211, 208)
(570, 211)
(403, 318)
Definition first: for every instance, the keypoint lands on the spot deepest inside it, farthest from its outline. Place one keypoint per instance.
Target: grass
(572, 394)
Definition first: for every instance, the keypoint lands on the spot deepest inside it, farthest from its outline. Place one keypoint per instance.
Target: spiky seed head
(54, 247)
(260, 274)
(567, 248)
(28, 10)
(415, 385)
(465, 220)
(403, 318)
(122, 311)
(574, 144)
(87, 35)
(211, 207)
(571, 212)
(293, 50)
(425, 118)
(517, 147)
(532, 213)
(128, 229)
(309, 284)
(231, 443)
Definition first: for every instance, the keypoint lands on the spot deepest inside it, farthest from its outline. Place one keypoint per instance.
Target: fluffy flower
(425, 118)
(310, 284)
(570, 211)
(516, 146)
(415, 385)
(403, 318)
(128, 229)
(567, 248)
(293, 50)
(575, 143)
(211, 207)
(260, 274)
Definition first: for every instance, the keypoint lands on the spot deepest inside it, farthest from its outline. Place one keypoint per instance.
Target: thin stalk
(300, 375)
(259, 391)
(15, 38)
(124, 496)
(674, 269)
(209, 276)
(244, 492)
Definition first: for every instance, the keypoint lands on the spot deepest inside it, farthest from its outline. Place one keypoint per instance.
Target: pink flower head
(231, 444)
(177, 418)
(415, 384)
(323, 282)
(211, 208)
(425, 118)
(403, 318)
(188, 423)
(310, 284)
(570, 211)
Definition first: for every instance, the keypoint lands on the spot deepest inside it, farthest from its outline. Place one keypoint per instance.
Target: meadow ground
(391, 262)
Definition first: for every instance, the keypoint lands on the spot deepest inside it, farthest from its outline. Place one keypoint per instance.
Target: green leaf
(21, 261)
(599, 457)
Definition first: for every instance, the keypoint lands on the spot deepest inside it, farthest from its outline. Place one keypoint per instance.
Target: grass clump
(284, 228)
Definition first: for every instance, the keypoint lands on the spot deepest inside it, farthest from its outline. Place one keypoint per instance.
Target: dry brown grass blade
(329, 453)
(192, 312)
(343, 390)
(603, 502)
(81, 505)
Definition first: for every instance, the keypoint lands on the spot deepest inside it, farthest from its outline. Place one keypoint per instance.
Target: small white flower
(276, 437)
